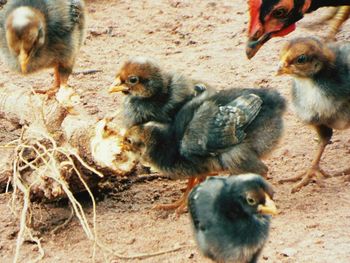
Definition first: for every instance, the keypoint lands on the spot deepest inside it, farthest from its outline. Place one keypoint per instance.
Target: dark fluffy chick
(153, 94)
(321, 91)
(38, 34)
(231, 217)
(228, 131)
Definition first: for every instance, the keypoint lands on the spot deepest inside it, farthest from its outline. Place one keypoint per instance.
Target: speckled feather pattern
(226, 125)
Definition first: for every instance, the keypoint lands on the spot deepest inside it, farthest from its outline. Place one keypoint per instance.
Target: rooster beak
(254, 44)
(23, 60)
(269, 208)
(117, 86)
(259, 38)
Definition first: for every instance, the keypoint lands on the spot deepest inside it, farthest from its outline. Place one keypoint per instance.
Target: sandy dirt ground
(203, 39)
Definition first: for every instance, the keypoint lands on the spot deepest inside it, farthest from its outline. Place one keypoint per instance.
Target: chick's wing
(215, 128)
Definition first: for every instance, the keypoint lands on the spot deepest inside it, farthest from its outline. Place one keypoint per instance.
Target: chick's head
(140, 77)
(144, 138)
(304, 57)
(251, 193)
(134, 140)
(25, 34)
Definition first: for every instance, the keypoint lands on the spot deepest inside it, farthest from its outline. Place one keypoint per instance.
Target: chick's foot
(51, 92)
(345, 173)
(180, 206)
(314, 174)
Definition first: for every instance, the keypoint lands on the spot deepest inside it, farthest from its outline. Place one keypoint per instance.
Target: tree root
(149, 255)
(48, 164)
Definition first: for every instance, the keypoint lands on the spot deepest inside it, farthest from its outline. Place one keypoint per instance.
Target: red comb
(254, 11)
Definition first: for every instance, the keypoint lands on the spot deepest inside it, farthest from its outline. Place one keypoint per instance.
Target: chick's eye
(280, 13)
(302, 59)
(251, 201)
(133, 80)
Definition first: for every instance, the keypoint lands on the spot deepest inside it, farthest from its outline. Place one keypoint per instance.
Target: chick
(151, 93)
(228, 131)
(320, 92)
(231, 217)
(38, 34)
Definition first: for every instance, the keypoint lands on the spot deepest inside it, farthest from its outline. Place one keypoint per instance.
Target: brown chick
(153, 94)
(321, 92)
(229, 131)
(38, 34)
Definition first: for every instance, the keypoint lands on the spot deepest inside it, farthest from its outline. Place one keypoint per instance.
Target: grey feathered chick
(38, 34)
(231, 217)
(153, 94)
(228, 131)
(321, 91)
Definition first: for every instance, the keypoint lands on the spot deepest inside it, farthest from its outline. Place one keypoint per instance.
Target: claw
(180, 206)
(314, 174)
(51, 92)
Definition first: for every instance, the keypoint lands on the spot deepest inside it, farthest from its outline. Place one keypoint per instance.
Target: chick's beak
(269, 208)
(117, 86)
(23, 60)
(282, 69)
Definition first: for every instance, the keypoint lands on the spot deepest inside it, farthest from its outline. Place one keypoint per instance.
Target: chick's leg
(64, 72)
(61, 74)
(181, 204)
(55, 86)
(325, 134)
(57, 82)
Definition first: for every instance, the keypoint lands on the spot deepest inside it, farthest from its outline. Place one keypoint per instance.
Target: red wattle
(285, 31)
